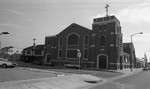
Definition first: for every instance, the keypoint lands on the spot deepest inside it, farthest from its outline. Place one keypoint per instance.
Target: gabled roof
(39, 47)
(30, 47)
(36, 47)
(74, 25)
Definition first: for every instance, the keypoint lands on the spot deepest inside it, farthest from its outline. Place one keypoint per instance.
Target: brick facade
(100, 47)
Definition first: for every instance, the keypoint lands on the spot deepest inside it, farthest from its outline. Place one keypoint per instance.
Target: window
(73, 39)
(60, 41)
(28, 52)
(71, 53)
(106, 18)
(60, 54)
(118, 30)
(86, 39)
(117, 40)
(85, 54)
(38, 52)
(104, 27)
(112, 17)
(49, 42)
(100, 27)
(102, 41)
(100, 19)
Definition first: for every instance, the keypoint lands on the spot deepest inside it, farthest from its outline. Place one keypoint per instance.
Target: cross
(106, 9)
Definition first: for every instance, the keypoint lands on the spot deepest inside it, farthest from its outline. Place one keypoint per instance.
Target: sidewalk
(109, 84)
(127, 72)
(73, 81)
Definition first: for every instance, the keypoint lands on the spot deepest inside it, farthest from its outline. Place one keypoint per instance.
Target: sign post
(79, 56)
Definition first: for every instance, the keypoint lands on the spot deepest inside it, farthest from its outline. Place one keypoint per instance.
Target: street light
(0, 40)
(134, 35)
(2, 34)
(132, 43)
(33, 49)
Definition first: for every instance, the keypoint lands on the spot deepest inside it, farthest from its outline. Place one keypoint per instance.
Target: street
(139, 80)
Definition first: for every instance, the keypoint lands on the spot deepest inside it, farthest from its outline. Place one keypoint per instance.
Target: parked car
(49, 64)
(72, 66)
(37, 63)
(145, 69)
(5, 63)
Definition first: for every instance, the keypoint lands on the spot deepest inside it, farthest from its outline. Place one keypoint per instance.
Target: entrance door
(49, 57)
(102, 62)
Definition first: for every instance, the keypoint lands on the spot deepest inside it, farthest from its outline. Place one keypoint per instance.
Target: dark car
(145, 69)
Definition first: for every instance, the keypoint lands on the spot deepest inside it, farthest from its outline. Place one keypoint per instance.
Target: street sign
(79, 54)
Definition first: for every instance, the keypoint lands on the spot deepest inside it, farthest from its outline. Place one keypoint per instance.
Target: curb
(125, 75)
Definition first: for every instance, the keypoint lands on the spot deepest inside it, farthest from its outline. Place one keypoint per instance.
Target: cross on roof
(106, 9)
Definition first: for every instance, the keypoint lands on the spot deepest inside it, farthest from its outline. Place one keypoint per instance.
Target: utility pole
(33, 49)
(131, 53)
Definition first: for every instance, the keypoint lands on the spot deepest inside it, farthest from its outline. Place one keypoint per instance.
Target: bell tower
(107, 41)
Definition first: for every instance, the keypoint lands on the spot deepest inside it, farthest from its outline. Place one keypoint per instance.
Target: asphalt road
(139, 80)
(15, 74)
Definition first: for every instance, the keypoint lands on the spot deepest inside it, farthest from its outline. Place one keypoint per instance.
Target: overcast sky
(28, 19)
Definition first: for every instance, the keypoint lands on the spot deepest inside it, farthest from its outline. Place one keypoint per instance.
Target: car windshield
(2, 59)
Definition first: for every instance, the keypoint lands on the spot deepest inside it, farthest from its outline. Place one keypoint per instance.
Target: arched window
(73, 39)
(102, 40)
(86, 39)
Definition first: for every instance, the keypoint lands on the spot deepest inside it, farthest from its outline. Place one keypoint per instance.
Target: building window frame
(85, 58)
(86, 42)
(85, 46)
(60, 54)
(60, 41)
(73, 33)
(102, 40)
(70, 57)
(26, 52)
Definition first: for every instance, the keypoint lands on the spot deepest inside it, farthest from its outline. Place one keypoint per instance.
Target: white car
(5, 63)
(72, 66)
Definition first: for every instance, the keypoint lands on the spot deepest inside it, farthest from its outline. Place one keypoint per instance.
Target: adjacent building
(11, 53)
(129, 48)
(34, 54)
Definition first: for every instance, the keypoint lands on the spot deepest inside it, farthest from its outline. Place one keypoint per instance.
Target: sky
(29, 19)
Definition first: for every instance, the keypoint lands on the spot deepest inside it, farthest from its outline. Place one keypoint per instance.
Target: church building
(100, 47)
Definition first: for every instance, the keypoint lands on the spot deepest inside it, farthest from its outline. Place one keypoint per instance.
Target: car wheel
(12, 66)
(4, 65)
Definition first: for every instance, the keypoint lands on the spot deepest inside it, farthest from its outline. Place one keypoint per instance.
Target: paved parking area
(15, 74)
